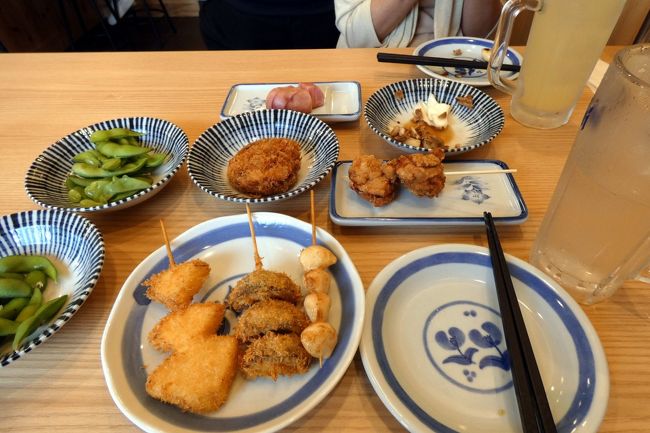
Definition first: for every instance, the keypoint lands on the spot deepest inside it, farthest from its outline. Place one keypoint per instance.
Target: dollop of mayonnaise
(435, 113)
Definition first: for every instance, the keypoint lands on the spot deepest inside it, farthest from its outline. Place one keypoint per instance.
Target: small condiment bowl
(45, 179)
(208, 160)
(469, 128)
(76, 248)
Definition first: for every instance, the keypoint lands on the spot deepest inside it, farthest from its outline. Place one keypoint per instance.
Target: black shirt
(282, 7)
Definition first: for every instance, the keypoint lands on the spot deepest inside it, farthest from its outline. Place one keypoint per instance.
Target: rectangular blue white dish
(342, 99)
(461, 203)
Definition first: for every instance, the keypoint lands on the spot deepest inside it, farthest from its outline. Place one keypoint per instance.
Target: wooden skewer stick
(470, 172)
(258, 259)
(313, 217)
(170, 256)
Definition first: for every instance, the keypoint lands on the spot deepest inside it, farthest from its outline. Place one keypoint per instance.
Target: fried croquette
(262, 285)
(273, 355)
(197, 380)
(422, 173)
(373, 180)
(175, 287)
(270, 316)
(178, 329)
(265, 167)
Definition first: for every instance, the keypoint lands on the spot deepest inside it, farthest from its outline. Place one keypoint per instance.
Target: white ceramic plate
(433, 345)
(463, 48)
(342, 100)
(253, 406)
(461, 202)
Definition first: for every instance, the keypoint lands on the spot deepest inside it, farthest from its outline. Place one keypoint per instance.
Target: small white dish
(462, 201)
(260, 405)
(342, 100)
(463, 48)
(433, 345)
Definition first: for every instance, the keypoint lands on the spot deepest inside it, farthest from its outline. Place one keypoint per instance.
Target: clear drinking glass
(565, 41)
(596, 232)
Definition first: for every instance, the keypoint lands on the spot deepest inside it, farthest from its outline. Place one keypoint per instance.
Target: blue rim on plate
(461, 203)
(45, 178)
(253, 406)
(208, 160)
(475, 126)
(75, 246)
(469, 46)
(446, 295)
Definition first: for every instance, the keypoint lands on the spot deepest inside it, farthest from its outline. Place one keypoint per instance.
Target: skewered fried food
(317, 280)
(273, 355)
(197, 380)
(373, 180)
(178, 330)
(265, 167)
(176, 286)
(319, 339)
(262, 285)
(317, 306)
(422, 173)
(270, 316)
(316, 256)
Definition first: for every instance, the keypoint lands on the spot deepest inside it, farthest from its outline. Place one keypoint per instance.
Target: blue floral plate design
(45, 179)
(75, 247)
(434, 350)
(211, 152)
(461, 203)
(463, 48)
(260, 405)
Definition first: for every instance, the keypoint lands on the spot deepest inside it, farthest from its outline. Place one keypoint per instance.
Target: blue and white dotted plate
(470, 128)
(434, 350)
(463, 48)
(75, 247)
(45, 179)
(260, 405)
(209, 156)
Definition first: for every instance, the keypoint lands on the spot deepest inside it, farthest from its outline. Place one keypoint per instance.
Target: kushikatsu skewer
(472, 172)
(313, 217)
(258, 259)
(170, 256)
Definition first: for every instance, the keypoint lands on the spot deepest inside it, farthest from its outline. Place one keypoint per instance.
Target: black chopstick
(534, 409)
(439, 61)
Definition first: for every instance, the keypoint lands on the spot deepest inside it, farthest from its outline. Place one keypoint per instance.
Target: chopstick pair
(534, 409)
(439, 61)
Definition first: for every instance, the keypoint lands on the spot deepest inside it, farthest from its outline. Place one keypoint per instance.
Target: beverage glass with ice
(596, 232)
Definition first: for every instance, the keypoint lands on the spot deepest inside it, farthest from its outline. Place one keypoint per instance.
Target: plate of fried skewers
(248, 343)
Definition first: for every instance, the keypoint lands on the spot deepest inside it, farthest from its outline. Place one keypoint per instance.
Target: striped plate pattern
(483, 122)
(209, 156)
(73, 242)
(45, 179)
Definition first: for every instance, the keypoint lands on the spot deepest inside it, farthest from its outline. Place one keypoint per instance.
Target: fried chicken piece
(373, 179)
(273, 355)
(175, 287)
(422, 173)
(270, 316)
(262, 285)
(265, 167)
(177, 330)
(197, 380)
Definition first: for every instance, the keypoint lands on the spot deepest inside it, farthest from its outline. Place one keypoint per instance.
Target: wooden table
(60, 386)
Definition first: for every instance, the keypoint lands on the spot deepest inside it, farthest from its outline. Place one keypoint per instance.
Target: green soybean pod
(112, 164)
(11, 288)
(116, 150)
(34, 304)
(36, 279)
(12, 275)
(42, 315)
(7, 327)
(24, 264)
(155, 160)
(13, 307)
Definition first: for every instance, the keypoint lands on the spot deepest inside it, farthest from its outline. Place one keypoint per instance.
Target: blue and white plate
(469, 128)
(434, 351)
(260, 405)
(211, 152)
(75, 247)
(461, 203)
(463, 48)
(342, 100)
(45, 179)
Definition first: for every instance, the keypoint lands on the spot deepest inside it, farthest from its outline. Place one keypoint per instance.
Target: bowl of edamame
(50, 261)
(107, 166)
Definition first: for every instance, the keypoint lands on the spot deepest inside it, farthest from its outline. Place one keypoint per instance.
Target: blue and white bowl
(73, 244)
(209, 156)
(471, 127)
(45, 179)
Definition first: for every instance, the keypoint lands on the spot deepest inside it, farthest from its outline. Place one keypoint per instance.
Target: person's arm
(357, 22)
(387, 14)
(479, 17)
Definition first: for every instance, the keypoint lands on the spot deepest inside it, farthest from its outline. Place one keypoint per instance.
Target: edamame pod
(42, 315)
(155, 160)
(13, 307)
(95, 191)
(7, 327)
(12, 275)
(125, 184)
(77, 181)
(11, 288)
(36, 279)
(116, 150)
(112, 164)
(24, 264)
(88, 157)
(34, 304)
(113, 134)
(88, 171)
